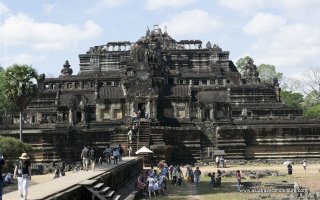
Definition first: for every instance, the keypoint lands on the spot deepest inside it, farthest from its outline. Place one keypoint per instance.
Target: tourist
(130, 135)
(85, 158)
(120, 149)
(151, 182)
(217, 161)
(2, 163)
(107, 153)
(140, 185)
(162, 184)
(212, 179)
(197, 175)
(170, 171)
(56, 174)
(130, 151)
(218, 179)
(62, 169)
(22, 172)
(289, 170)
(92, 156)
(115, 155)
(238, 177)
(189, 175)
(156, 187)
(222, 161)
(304, 164)
(174, 175)
(179, 177)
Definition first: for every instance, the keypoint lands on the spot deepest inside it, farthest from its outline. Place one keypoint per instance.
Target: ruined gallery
(191, 99)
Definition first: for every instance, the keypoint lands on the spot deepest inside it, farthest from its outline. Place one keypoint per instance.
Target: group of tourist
(215, 179)
(220, 161)
(113, 152)
(88, 156)
(153, 182)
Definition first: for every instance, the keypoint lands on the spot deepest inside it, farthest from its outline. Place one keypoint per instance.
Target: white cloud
(48, 8)
(191, 23)
(23, 58)
(3, 9)
(22, 30)
(306, 11)
(245, 6)
(291, 47)
(264, 23)
(156, 4)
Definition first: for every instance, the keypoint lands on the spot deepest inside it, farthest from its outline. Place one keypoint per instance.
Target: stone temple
(191, 98)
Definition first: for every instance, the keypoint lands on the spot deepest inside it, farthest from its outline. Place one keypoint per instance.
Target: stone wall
(114, 179)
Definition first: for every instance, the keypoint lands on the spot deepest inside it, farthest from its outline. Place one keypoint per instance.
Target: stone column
(98, 113)
(154, 109)
(148, 107)
(83, 115)
(70, 116)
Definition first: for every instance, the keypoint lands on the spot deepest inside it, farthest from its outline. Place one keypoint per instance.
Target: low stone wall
(114, 178)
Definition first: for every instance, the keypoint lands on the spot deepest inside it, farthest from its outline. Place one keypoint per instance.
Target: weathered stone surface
(180, 93)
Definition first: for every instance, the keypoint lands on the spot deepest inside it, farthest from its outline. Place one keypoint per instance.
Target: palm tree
(20, 87)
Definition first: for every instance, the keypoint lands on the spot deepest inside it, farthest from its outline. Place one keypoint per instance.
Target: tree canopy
(20, 85)
(241, 63)
(268, 73)
(293, 99)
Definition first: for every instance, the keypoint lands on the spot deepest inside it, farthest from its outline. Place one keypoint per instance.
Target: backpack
(85, 153)
(91, 153)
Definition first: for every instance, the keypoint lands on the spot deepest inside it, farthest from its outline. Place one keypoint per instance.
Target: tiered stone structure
(191, 97)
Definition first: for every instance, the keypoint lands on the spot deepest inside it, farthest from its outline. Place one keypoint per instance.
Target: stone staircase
(102, 192)
(44, 152)
(140, 136)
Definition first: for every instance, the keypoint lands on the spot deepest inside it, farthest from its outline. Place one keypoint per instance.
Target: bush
(12, 148)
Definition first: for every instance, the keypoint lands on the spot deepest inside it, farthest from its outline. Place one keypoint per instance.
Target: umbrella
(287, 162)
(144, 150)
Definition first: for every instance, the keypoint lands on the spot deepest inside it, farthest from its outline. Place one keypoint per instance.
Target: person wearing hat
(23, 173)
(2, 163)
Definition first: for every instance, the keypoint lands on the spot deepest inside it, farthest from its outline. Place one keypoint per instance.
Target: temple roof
(212, 96)
(111, 92)
(176, 91)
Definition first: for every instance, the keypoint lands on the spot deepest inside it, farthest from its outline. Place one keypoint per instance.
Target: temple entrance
(142, 108)
(78, 117)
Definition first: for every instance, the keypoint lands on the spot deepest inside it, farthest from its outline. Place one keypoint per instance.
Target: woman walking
(23, 173)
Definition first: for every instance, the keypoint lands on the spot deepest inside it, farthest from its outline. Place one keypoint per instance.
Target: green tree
(293, 99)
(12, 148)
(20, 87)
(268, 73)
(5, 105)
(241, 63)
(312, 112)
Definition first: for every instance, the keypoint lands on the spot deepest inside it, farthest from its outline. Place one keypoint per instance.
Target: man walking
(85, 158)
(197, 174)
(107, 153)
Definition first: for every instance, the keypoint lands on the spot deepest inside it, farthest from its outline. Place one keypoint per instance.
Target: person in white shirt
(151, 182)
(304, 164)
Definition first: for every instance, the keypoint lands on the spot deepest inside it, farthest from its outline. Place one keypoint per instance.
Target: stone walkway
(54, 186)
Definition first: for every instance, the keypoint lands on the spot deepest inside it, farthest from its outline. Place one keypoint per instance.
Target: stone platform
(47, 190)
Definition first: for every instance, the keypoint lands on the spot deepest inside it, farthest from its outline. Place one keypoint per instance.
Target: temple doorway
(142, 108)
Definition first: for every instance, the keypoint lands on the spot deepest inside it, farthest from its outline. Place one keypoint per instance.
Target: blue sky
(44, 34)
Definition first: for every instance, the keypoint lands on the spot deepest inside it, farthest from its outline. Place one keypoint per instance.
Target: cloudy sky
(44, 34)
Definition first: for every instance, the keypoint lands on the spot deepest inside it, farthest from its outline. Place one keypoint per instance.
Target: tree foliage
(241, 63)
(20, 85)
(293, 99)
(268, 73)
(312, 112)
(11, 148)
